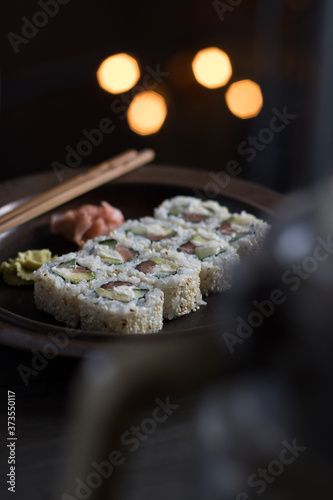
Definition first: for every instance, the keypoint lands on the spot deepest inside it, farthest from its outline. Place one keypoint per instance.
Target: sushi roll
(58, 283)
(243, 231)
(121, 304)
(148, 233)
(149, 268)
(177, 275)
(216, 257)
(190, 210)
(111, 253)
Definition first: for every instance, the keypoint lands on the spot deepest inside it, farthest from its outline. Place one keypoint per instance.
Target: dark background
(49, 94)
(50, 91)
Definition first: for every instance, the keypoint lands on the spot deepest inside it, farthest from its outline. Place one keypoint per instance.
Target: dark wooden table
(44, 432)
(41, 423)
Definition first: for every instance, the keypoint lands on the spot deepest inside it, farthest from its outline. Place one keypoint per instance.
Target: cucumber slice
(203, 253)
(74, 277)
(64, 269)
(70, 264)
(109, 243)
(165, 274)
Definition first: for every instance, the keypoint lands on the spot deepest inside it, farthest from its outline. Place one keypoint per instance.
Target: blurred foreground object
(259, 422)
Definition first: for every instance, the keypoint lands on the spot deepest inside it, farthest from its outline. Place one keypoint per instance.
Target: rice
(243, 231)
(57, 295)
(138, 315)
(176, 275)
(215, 257)
(148, 233)
(113, 252)
(191, 211)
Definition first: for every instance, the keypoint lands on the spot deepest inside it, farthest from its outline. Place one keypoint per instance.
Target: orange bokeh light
(244, 99)
(118, 73)
(212, 68)
(146, 113)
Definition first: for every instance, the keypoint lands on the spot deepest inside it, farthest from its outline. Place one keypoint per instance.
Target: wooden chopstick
(105, 172)
(65, 186)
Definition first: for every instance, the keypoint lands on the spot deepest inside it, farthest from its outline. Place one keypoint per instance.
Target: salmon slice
(80, 270)
(114, 284)
(146, 266)
(157, 237)
(188, 247)
(195, 217)
(225, 228)
(126, 253)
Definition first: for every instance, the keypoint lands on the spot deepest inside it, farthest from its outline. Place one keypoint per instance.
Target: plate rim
(262, 199)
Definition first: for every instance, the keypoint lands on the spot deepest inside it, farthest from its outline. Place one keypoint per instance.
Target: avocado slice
(169, 232)
(138, 230)
(198, 238)
(110, 261)
(178, 210)
(139, 292)
(181, 209)
(236, 220)
(112, 294)
(202, 253)
(238, 236)
(159, 261)
(77, 277)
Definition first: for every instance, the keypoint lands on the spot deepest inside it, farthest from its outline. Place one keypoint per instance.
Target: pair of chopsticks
(80, 184)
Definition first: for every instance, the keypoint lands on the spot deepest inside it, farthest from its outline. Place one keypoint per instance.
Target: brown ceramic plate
(136, 194)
